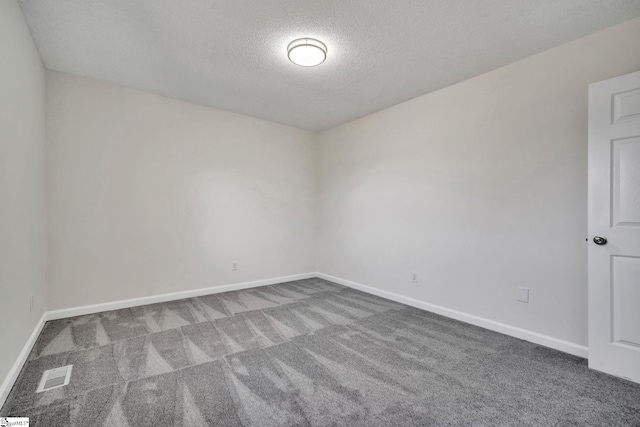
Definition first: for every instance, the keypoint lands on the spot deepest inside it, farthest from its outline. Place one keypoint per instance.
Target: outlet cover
(523, 295)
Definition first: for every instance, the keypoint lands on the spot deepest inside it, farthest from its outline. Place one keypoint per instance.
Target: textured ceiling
(231, 54)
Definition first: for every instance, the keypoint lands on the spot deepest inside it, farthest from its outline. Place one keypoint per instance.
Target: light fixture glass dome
(307, 52)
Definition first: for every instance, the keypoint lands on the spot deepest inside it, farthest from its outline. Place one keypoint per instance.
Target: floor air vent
(54, 378)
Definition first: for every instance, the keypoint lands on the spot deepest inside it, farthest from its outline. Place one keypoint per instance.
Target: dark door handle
(599, 240)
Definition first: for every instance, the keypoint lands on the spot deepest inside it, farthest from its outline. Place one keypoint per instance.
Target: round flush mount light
(307, 52)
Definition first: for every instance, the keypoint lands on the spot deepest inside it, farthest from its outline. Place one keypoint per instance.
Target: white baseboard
(117, 305)
(534, 337)
(12, 376)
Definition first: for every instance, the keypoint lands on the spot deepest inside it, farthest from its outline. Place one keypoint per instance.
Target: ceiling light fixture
(307, 52)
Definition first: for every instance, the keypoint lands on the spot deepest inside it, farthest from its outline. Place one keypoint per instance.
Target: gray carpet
(306, 353)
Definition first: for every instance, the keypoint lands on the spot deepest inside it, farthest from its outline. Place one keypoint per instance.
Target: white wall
(149, 195)
(480, 188)
(22, 190)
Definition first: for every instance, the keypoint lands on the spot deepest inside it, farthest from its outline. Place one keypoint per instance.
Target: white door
(614, 226)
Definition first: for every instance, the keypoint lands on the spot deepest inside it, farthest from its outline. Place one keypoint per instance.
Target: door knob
(599, 240)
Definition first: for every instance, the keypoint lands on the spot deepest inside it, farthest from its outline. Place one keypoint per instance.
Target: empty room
(319, 213)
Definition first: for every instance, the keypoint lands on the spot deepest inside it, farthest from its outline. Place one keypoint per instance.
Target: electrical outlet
(234, 266)
(31, 303)
(414, 277)
(523, 295)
